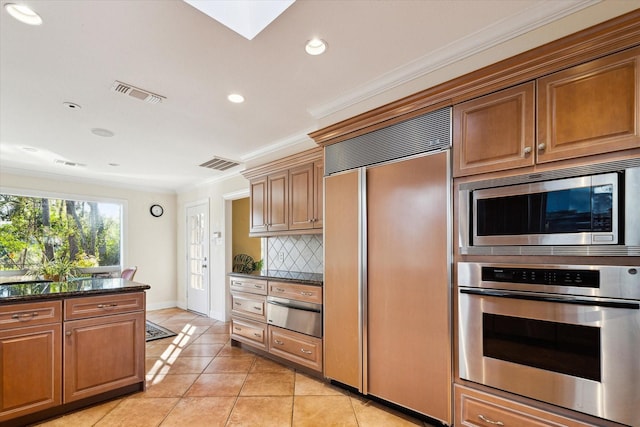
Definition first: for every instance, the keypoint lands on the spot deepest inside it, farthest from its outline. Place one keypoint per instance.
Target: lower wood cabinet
(476, 408)
(250, 332)
(299, 348)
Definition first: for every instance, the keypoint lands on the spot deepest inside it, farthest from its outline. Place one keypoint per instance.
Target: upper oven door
(575, 352)
(572, 211)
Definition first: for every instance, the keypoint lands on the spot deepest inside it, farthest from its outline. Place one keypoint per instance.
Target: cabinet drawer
(299, 348)
(474, 408)
(249, 285)
(253, 333)
(249, 305)
(30, 314)
(308, 293)
(103, 305)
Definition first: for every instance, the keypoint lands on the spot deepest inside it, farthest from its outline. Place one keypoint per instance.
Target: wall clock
(156, 210)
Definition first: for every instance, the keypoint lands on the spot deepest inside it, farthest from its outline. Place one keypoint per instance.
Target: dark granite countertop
(315, 279)
(27, 292)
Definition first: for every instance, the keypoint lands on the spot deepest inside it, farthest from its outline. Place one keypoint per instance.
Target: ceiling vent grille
(68, 163)
(141, 94)
(219, 164)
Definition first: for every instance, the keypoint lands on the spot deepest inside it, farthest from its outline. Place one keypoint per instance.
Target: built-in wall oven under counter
(568, 335)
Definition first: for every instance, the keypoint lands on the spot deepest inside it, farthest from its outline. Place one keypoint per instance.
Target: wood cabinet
(306, 293)
(31, 353)
(104, 344)
(249, 285)
(250, 332)
(302, 349)
(286, 196)
(249, 305)
(478, 409)
(592, 108)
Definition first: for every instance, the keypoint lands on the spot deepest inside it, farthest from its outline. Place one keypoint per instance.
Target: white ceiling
(171, 49)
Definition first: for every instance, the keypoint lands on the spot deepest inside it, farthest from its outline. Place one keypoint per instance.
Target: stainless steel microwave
(578, 211)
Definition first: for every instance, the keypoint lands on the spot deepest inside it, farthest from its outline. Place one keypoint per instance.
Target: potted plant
(58, 269)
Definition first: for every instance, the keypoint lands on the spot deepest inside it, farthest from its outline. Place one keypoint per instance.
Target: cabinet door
(278, 205)
(249, 332)
(301, 186)
(102, 354)
(342, 323)
(494, 132)
(299, 348)
(258, 213)
(30, 372)
(318, 195)
(590, 109)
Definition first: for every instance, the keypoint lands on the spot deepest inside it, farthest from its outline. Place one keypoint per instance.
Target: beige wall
(149, 243)
(242, 243)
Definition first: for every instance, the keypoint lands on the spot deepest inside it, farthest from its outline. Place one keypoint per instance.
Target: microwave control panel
(542, 276)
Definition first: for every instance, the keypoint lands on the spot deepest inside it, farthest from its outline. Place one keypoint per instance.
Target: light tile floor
(198, 379)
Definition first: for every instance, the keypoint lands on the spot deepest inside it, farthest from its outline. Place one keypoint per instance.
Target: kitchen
(630, 150)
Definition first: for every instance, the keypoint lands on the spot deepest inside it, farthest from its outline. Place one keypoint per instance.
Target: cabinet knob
(527, 150)
(68, 333)
(490, 421)
(542, 146)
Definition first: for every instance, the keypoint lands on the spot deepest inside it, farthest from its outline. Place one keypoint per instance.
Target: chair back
(128, 273)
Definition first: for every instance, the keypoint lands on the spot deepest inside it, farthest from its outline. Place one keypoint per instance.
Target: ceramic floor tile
(219, 328)
(168, 385)
(313, 411)
(212, 385)
(176, 365)
(268, 384)
(371, 414)
(200, 412)
(262, 412)
(266, 365)
(138, 412)
(308, 386)
(229, 350)
(240, 364)
(200, 350)
(212, 339)
(83, 418)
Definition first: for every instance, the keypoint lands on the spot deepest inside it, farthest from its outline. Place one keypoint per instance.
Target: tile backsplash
(302, 253)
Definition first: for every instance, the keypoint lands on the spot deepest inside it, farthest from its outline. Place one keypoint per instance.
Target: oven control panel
(542, 276)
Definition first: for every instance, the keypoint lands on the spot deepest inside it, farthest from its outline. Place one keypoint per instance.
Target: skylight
(245, 17)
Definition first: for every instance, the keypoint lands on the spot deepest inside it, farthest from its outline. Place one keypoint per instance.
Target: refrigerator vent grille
(422, 134)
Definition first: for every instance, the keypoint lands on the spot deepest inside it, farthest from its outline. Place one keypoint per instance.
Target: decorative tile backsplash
(302, 253)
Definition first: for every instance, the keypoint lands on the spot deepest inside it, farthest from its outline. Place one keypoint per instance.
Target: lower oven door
(580, 353)
(303, 317)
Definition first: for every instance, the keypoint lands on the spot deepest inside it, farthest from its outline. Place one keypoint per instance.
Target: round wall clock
(156, 210)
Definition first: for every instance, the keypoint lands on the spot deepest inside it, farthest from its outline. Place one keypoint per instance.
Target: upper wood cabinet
(592, 108)
(494, 132)
(286, 196)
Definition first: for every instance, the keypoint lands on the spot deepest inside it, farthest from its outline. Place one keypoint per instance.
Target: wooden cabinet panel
(249, 285)
(30, 368)
(342, 326)
(308, 293)
(478, 409)
(589, 109)
(249, 305)
(299, 348)
(494, 132)
(318, 197)
(278, 201)
(250, 332)
(258, 213)
(103, 305)
(103, 353)
(30, 314)
(301, 186)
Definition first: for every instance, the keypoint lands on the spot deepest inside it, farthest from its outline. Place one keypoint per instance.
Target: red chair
(128, 273)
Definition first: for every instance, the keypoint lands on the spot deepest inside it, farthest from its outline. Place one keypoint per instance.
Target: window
(49, 236)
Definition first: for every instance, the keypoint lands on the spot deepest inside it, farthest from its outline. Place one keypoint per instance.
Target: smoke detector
(219, 164)
(135, 92)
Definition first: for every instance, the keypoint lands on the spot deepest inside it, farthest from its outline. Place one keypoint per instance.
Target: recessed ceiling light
(23, 14)
(102, 132)
(236, 98)
(315, 46)
(71, 105)
(114, 164)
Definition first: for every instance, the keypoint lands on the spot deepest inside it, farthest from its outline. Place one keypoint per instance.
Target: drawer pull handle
(278, 342)
(257, 307)
(308, 294)
(113, 304)
(306, 351)
(237, 303)
(238, 284)
(490, 421)
(25, 316)
(258, 286)
(257, 334)
(237, 329)
(279, 289)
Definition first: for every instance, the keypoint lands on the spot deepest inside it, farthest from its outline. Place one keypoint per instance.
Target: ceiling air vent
(219, 164)
(68, 163)
(135, 92)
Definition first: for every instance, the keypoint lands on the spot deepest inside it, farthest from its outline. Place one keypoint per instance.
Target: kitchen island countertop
(315, 279)
(29, 292)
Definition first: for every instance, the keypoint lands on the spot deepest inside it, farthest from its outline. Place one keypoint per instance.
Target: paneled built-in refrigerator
(387, 327)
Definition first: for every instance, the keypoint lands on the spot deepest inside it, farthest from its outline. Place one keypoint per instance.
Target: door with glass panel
(198, 258)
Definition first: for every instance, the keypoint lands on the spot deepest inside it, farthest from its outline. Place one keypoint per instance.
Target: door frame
(207, 204)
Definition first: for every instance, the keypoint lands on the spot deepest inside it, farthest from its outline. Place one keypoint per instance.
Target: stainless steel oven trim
(298, 316)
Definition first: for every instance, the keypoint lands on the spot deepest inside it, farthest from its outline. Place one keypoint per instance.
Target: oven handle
(554, 299)
(296, 307)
